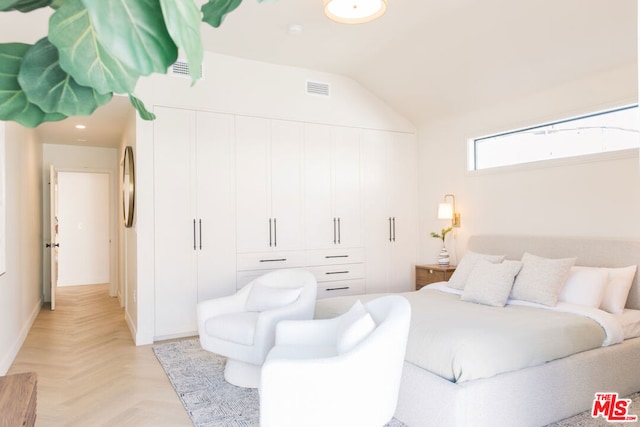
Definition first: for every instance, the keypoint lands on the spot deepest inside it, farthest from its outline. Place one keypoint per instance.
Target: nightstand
(432, 273)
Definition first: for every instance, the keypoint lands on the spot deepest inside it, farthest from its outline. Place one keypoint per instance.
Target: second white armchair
(242, 326)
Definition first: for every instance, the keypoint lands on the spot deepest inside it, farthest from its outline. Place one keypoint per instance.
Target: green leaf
(27, 5)
(47, 85)
(214, 12)
(135, 33)
(83, 56)
(7, 4)
(56, 4)
(142, 110)
(183, 18)
(13, 102)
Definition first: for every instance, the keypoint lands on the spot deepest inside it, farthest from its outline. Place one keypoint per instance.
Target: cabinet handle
(275, 233)
(338, 230)
(334, 230)
(394, 228)
(337, 272)
(390, 238)
(338, 289)
(336, 256)
(194, 234)
(200, 231)
(273, 260)
(270, 241)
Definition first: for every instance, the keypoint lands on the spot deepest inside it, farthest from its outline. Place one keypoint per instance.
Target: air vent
(180, 68)
(317, 88)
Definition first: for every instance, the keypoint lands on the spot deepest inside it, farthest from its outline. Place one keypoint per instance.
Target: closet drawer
(270, 260)
(340, 288)
(335, 256)
(332, 273)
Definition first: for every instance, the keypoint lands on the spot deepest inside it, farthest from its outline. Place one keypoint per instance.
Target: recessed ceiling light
(80, 126)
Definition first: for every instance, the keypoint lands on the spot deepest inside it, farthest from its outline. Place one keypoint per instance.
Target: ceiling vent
(180, 68)
(317, 88)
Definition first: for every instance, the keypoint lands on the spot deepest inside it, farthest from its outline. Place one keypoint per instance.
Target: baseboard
(11, 354)
(139, 340)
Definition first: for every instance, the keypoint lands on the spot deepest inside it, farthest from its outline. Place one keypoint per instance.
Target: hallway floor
(90, 373)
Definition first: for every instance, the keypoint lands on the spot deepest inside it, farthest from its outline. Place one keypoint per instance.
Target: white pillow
(465, 266)
(490, 283)
(617, 289)
(584, 286)
(541, 279)
(263, 298)
(354, 333)
(352, 328)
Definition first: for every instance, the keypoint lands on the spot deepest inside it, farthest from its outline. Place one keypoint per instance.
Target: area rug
(198, 378)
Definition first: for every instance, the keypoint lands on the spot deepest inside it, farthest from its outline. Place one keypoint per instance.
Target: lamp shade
(354, 11)
(445, 211)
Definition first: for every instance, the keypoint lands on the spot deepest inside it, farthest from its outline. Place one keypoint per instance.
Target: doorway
(84, 228)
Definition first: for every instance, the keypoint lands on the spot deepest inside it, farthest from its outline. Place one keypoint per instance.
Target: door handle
(334, 230)
(390, 238)
(54, 245)
(200, 231)
(270, 237)
(394, 228)
(275, 233)
(194, 234)
(338, 230)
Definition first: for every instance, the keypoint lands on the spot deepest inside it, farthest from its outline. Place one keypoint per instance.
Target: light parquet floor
(90, 373)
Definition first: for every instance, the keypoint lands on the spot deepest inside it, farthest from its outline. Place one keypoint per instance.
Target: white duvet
(462, 341)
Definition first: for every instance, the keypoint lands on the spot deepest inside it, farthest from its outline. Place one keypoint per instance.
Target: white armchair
(336, 372)
(242, 326)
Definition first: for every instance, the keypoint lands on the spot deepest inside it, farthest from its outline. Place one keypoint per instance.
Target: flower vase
(443, 257)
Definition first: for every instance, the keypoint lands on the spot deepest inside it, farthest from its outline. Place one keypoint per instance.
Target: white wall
(20, 286)
(74, 158)
(594, 196)
(84, 228)
(243, 87)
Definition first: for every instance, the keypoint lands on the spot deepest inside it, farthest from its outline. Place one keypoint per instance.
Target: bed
(543, 392)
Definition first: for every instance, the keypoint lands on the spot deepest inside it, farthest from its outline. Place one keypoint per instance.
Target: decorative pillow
(490, 283)
(354, 333)
(617, 289)
(466, 264)
(263, 298)
(584, 286)
(541, 279)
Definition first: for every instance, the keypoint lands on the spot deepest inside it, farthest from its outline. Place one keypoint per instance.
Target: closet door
(215, 184)
(253, 137)
(346, 187)
(286, 185)
(319, 218)
(174, 210)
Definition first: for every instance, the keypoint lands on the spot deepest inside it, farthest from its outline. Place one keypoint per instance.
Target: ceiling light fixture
(80, 126)
(354, 11)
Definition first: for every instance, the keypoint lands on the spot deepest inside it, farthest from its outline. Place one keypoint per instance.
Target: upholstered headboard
(589, 251)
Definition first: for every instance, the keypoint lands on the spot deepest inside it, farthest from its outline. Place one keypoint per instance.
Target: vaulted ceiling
(425, 58)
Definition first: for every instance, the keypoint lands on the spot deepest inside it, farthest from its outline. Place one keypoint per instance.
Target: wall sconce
(448, 210)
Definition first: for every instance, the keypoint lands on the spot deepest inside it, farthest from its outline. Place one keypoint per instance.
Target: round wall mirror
(128, 186)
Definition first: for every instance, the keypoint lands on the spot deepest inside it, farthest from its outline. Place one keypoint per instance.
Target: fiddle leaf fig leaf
(134, 32)
(142, 109)
(83, 56)
(183, 18)
(14, 104)
(214, 12)
(56, 4)
(7, 4)
(48, 86)
(26, 5)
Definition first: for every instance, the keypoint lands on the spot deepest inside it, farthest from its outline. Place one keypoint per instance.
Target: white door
(215, 206)
(378, 219)
(346, 187)
(176, 225)
(53, 227)
(319, 217)
(286, 185)
(403, 207)
(254, 220)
